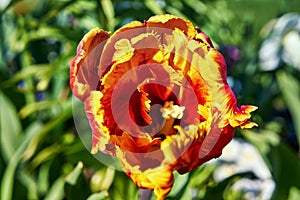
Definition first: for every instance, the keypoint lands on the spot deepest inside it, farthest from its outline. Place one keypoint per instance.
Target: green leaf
(57, 190)
(7, 183)
(200, 176)
(154, 7)
(217, 191)
(73, 177)
(196, 5)
(294, 193)
(10, 125)
(290, 88)
(43, 178)
(107, 179)
(109, 12)
(37, 106)
(286, 173)
(29, 182)
(180, 184)
(46, 154)
(76, 186)
(122, 187)
(98, 196)
(38, 138)
(201, 179)
(38, 71)
(176, 12)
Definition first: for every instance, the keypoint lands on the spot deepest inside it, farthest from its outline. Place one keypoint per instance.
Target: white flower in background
(3, 4)
(241, 157)
(291, 48)
(283, 45)
(255, 189)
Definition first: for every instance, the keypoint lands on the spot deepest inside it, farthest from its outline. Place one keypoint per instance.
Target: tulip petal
(95, 115)
(172, 22)
(159, 179)
(83, 68)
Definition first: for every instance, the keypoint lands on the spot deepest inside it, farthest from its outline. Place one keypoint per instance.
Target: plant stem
(145, 194)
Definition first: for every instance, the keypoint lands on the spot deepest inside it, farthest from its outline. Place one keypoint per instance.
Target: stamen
(170, 112)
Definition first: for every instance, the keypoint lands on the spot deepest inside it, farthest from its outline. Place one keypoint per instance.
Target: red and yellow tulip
(156, 97)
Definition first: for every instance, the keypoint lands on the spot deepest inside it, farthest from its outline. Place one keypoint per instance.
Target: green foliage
(42, 156)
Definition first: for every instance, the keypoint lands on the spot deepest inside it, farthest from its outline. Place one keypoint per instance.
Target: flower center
(170, 113)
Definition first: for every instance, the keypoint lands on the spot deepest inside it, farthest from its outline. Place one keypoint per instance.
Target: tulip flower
(156, 97)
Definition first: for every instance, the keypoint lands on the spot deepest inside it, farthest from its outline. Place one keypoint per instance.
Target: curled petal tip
(248, 124)
(241, 115)
(94, 150)
(248, 108)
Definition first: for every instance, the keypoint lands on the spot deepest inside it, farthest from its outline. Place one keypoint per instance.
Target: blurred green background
(42, 156)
